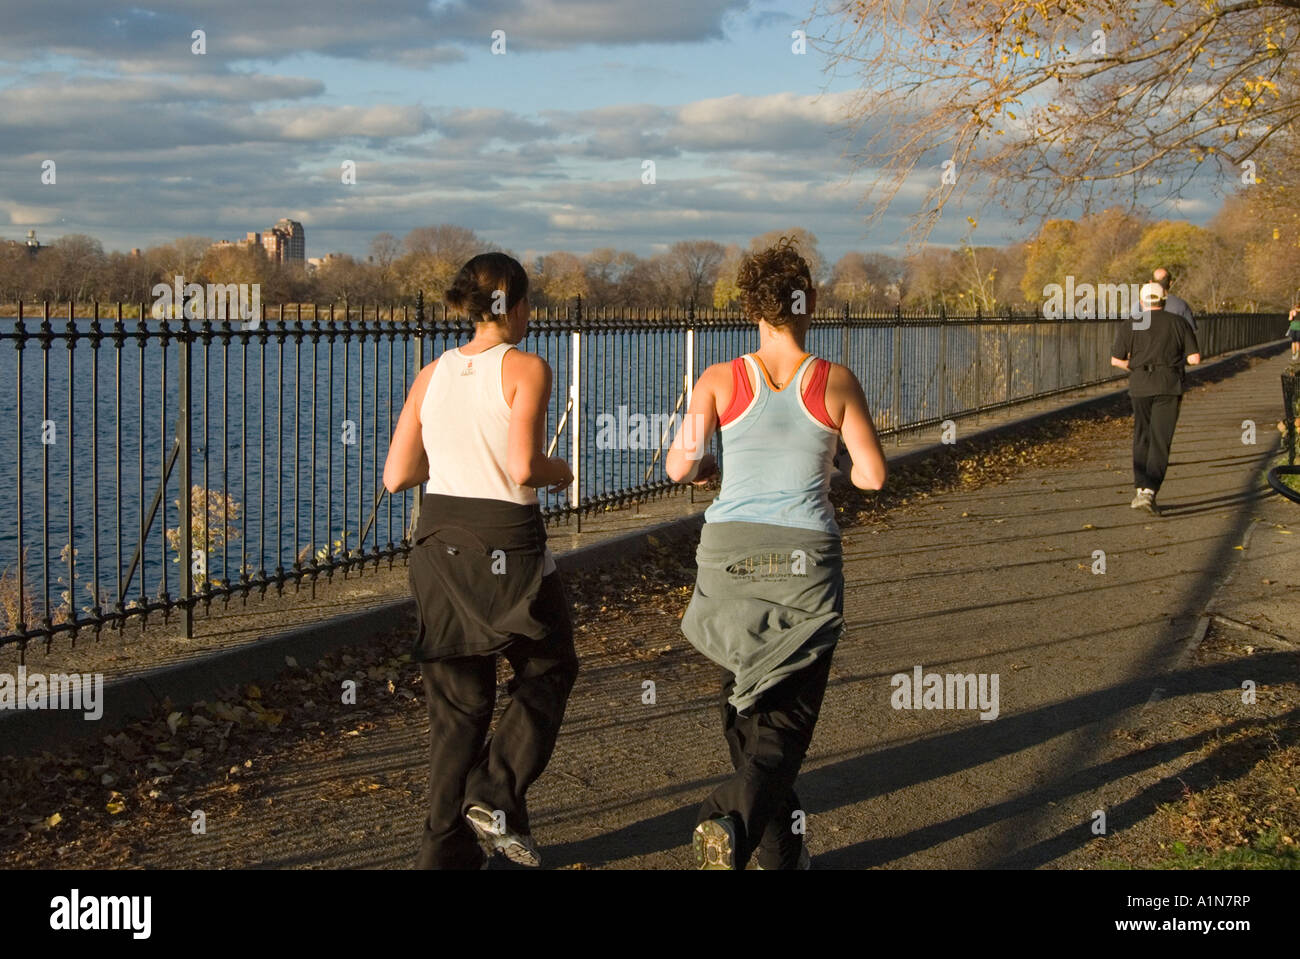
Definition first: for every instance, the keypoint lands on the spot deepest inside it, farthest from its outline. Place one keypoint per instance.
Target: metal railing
(278, 430)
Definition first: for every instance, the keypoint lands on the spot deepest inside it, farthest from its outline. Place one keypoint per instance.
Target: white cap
(1151, 294)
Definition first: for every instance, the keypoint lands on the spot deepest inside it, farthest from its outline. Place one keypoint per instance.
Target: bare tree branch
(1048, 105)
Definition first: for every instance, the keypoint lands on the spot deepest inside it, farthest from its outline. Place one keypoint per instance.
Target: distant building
(32, 244)
(295, 239)
(286, 242)
(316, 262)
(271, 242)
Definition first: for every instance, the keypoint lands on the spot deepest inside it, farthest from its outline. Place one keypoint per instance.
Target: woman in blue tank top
(769, 592)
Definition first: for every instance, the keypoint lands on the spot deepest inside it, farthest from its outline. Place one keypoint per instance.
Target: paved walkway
(242, 622)
(995, 580)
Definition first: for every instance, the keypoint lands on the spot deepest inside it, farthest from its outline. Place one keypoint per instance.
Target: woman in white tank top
(484, 582)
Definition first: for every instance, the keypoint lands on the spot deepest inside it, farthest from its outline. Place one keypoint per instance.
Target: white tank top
(465, 424)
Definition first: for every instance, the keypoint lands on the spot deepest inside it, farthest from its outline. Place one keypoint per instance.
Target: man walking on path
(1173, 304)
(1293, 331)
(1152, 350)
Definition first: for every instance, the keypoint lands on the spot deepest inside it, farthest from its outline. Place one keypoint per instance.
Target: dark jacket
(476, 570)
(1156, 345)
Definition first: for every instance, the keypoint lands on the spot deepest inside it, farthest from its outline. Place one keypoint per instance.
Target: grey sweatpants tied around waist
(768, 601)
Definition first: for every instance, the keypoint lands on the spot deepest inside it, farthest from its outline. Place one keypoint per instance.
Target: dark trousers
(1154, 420)
(767, 748)
(464, 765)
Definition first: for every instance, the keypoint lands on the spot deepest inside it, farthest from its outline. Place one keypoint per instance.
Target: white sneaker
(1145, 499)
(517, 847)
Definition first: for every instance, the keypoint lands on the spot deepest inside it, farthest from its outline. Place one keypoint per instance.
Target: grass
(1267, 851)
(1245, 821)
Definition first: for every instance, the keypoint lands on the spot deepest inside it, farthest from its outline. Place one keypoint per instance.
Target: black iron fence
(151, 467)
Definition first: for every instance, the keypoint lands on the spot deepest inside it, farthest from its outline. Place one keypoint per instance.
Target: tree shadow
(894, 768)
(1215, 502)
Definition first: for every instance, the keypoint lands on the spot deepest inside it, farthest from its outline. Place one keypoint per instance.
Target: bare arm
(687, 460)
(407, 464)
(1116, 361)
(846, 402)
(528, 378)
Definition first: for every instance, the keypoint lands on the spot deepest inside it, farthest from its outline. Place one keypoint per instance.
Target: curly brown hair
(769, 281)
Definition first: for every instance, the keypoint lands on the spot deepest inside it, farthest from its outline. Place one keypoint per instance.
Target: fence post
(1011, 317)
(186, 501)
(1060, 372)
(418, 352)
(943, 360)
(845, 340)
(897, 360)
(979, 350)
(690, 375)
(575, 415)
(690, 353)
(1034, 387)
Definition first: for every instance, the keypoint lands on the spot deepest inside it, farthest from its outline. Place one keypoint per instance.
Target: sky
(540, 148)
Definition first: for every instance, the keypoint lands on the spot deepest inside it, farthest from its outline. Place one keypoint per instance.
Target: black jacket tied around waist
(476, 570)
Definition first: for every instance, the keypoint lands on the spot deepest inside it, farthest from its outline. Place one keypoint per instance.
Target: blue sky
(538, 149)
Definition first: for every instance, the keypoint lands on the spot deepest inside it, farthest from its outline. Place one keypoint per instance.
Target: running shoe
(1145, 499)
(517, 847)
(714, 844)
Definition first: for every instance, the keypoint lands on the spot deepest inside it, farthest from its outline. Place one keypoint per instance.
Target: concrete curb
(135, 697)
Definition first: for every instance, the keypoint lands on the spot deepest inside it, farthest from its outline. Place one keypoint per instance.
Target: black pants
(767, 748)
(1154, 420)
(464, 766)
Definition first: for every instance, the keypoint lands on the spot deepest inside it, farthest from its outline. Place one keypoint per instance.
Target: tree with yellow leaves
(1053, 104)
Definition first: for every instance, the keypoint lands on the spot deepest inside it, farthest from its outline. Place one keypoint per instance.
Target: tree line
(1240, 261)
